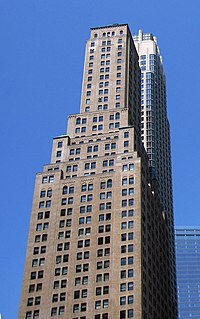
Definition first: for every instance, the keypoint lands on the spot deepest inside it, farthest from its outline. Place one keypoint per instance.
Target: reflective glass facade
(188, 271)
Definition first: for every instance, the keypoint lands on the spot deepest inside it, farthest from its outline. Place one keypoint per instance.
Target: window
(85, 280)
(44, 180)
(37, 300)
(61, 310)
(40, 215)
(76, 308)
(125, 168)
(42, 193)
(122, 314)
(131, 202)
(51, 179)
(130, 248)
(82, 209)
(117, 105)
(28, 315)
(71, 190)
(81, 220)
(124, 192)
(30, 302)
(49, 192)
(131, 191)
(48, 203)
(131, 167)
(124, 202)
(77, 281)
(36, 314)
(83, 307)
(98, 304)
(41, 204)
(109, 183)
(123, 261)
(87, 109)
(40, 274)
(83, 198)
(89, 149)
(130, 286)
(130, 313)
(70, 200)
(123, 287)
(93, 165)
(122, 301)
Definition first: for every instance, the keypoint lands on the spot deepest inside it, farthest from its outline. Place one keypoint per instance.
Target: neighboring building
(99, 243)
(154, 122)
(188, 271)
(155, 129)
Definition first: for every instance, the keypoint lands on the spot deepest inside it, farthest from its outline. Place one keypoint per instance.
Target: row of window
(94, 148)
(41, 238)
(47, 179)
(45, 193)
(108, 42)
(108, 34)
(45, 204)
(66, 245)
(55, 311)
(42, 226)
(33, 301)
(126, 192)
(32, 314)
(42, 215)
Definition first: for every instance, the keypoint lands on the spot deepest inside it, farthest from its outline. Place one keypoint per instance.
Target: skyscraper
(188, 271)
(155, 129)
(154, 122)
(99, 244)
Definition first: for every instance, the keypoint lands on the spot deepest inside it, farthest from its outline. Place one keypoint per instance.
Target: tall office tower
(154, 122)
(155, 130)
(98, 244)
(188, 271)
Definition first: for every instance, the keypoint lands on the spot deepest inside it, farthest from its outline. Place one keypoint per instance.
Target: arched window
(78, 120)
(117, 116)
(49, 192)
(43, 193)
(109, 183)
(64, 190)
(84, 188)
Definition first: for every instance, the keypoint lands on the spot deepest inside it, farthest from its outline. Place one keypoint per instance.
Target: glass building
(188, 271)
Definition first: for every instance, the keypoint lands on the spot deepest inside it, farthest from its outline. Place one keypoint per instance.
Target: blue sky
(42, 45)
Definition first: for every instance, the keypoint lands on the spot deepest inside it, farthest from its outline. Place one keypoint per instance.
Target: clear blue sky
(42, 45)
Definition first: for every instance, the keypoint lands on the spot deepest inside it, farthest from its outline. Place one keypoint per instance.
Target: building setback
(100, 243)
(188, 271)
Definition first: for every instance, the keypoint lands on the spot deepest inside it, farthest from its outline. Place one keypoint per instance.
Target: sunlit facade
(99, 243)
